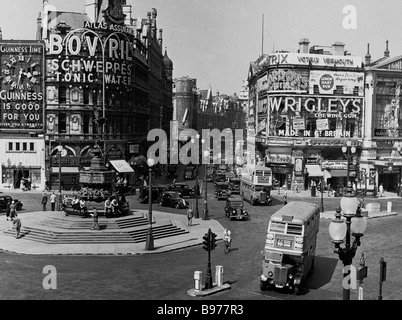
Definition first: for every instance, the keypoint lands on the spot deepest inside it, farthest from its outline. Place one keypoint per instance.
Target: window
(62, 94)
(62, 123)
(86, 123)
(24, 146)
(17, 146)
(10, 146)
(86, 96)
(277, 227)
(32, 146)
(294, 229)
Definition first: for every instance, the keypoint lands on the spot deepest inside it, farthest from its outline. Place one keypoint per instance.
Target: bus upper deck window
(277, 227)
(294, 229)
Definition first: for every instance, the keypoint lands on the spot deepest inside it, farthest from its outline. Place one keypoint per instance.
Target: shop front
(389, 174)
(23, 164)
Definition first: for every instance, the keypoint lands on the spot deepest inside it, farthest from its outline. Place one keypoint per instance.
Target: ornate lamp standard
(340, 231)
(60, 150)
(197, 186)
(206, 156)
(348, 151)
(149, 245)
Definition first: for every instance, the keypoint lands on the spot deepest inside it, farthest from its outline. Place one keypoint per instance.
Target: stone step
(93, 236)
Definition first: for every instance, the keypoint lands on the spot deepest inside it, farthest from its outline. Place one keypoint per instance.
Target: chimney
(127, 12)
(339, 49)
(91, 9)
(368, 55)
(386, 52)
(303, 43)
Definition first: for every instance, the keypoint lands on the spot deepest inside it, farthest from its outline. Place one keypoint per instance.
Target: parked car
(172, 171)
(222, 190)
(234, 185)
(234, 209)
(5, 199)
(156, 194)
(190, 172)
(172, 199)
(182, 188)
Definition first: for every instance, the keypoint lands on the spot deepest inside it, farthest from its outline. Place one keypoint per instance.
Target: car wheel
(177, 205)
(160, 203)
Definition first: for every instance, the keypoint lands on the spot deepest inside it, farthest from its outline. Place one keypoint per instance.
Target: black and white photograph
(201, 157)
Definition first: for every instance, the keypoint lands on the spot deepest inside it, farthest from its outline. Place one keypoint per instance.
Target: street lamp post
(322, 186)
(197, 186)
(206, 156)
(341, 230)
(348, 151)
(149, 245)
(59, 151)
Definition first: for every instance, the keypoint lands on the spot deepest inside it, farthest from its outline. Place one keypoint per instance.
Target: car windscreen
(174, 195)
(236, 204)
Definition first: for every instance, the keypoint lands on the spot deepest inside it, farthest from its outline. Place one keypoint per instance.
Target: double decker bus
(256, 184)
(290, 246)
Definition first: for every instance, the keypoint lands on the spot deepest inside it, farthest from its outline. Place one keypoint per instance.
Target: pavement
(305, 194)
(193, 237)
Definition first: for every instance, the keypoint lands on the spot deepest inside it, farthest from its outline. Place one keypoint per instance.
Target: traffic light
(206, 242)
(383, 270)
(213, 241)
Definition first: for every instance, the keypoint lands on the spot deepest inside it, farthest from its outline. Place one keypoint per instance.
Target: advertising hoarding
(22, 85)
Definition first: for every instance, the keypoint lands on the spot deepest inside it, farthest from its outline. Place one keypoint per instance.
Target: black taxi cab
(234, 208)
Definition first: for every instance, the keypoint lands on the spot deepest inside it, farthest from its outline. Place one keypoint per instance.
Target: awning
(339, 173)
(314, 170)
(121, 166)
(65, 169)
(327, 174)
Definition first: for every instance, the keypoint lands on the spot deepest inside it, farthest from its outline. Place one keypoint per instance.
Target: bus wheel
(263, 285)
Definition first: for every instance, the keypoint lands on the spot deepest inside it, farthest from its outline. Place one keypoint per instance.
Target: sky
(214, 41)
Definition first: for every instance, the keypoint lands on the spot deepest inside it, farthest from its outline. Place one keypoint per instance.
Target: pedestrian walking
(13, 210)
(381, 190)
(17, 227)
(53, 201)
(190, 216)
(285, 197)
(44, 201)
(94, 216)
(8, 209)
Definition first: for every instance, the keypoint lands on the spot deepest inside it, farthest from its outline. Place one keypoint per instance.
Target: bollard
(198, 280)
(219, 275)
(389, 206)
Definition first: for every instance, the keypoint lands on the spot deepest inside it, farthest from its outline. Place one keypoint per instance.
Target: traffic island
(207, 292)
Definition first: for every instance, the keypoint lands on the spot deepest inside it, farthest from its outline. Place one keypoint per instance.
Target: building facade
(303, 106)
(381, 160)
(103, 78)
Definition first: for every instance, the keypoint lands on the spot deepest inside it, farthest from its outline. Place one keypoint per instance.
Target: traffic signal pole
(209, 244)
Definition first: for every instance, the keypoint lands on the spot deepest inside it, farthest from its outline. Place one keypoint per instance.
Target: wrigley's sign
(291, 58)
